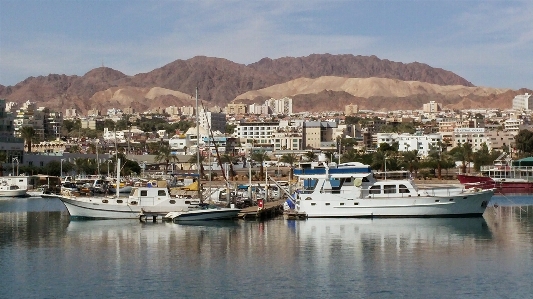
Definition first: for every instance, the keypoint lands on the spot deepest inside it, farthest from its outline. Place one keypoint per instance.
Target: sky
(489, 43)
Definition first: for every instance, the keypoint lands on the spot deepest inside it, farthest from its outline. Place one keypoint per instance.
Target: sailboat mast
(198, 165)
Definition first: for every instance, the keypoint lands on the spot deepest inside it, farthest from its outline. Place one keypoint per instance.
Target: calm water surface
(45, 255)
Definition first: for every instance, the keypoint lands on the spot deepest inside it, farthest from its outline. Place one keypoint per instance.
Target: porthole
(313, 203)
(342, 204)
(355, 203)
(327, 203)
(119, 201)
(133, 203)
(436, 200)
(451, 199)
(308, 198)
(172, 201)
(105, 200)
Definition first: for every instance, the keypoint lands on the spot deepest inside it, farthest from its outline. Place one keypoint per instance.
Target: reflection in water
(50, 256)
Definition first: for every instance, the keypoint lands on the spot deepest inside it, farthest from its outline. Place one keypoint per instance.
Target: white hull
(109, 208)
(205, 214)
(331, 205)
(13, 193)
(351, 190)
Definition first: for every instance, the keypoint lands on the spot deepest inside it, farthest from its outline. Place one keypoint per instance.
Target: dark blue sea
(43, 254)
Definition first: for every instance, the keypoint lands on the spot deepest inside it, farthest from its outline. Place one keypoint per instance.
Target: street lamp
(61, 170)
(386, 158)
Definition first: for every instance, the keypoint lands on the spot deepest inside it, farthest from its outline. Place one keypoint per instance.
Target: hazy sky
(489, 43)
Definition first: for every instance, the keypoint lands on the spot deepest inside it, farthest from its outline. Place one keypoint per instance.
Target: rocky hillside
(219, 81)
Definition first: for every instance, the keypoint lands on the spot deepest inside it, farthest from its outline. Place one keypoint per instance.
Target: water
(45, 255)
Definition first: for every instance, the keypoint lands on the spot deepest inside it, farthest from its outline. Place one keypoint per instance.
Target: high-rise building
(523, 102)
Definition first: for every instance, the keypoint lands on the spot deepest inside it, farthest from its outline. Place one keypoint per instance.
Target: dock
(294, 215)
(271, 209)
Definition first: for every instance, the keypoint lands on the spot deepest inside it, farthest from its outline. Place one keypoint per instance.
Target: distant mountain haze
(317, 82)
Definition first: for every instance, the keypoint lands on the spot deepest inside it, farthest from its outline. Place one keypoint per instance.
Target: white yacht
(350, 190)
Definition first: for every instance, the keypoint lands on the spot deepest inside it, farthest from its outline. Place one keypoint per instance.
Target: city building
(523, 102)
(233, 109)
(432, 107)
(351, 109)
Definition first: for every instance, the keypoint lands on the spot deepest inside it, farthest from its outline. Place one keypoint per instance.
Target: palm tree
(310, 156)
(193, 161)
(27, 133)
(289, 159)
(260, 157)
(228, 159)
(164, 153)
(464, 153)
(410, 158)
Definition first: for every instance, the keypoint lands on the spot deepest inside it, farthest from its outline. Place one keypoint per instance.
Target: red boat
(506, 176)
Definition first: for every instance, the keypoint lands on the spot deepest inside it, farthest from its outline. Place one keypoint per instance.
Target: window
(144, 192)
(404, 189)
(387, 189)
(375, 190)
(161, 193)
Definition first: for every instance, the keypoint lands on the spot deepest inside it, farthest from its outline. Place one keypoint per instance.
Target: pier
(270, 209)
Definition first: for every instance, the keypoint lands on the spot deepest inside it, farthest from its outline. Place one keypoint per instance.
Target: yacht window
(404, 189)
(387, 189)
(365, 179)
(375, 190)
(342, 204)
(327, 203)
(161, 193)
(144, 192)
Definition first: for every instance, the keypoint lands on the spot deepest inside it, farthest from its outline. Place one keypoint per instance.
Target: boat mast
(118, 177)
(198, 148)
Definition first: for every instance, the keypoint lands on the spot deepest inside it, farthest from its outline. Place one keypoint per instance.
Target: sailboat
(203, 211)
(141, 200)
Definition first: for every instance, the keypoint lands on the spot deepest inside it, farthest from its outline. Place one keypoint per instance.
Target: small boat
(351, 190)
(204, 212)
(505, 175)
(11, 190)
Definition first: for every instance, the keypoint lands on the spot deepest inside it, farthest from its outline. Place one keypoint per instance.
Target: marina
(51, 255)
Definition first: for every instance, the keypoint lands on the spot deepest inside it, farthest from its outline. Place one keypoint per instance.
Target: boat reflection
(400, 234)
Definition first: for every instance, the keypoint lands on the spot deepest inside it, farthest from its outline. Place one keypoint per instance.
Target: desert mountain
(309, 94)
(219, 81)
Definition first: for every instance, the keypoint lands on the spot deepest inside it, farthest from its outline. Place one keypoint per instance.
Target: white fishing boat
(11, 190)
(350, 190)
(153, 200)
(204, 212)
(141, 200)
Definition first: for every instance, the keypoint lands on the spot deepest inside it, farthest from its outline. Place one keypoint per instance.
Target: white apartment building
(523, 102)
(261, 133)
(281, 106)
(475, 136)
(408, 142)
(258, 109)
(512, 125)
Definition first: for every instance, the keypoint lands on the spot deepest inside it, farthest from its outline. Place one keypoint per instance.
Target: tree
(164, 153)
(230, 160)
(260, 157)
(524, 142)
(193, 161)
(437, 157)
(310, 156)
(290, 159)
(463, 153)
(27, 133)
(482, 157)
(411, 160)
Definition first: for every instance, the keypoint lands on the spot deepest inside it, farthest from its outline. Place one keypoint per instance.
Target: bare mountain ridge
(219, 80)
